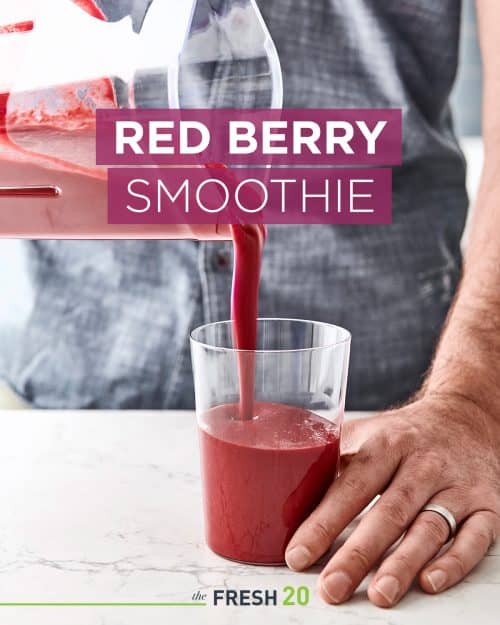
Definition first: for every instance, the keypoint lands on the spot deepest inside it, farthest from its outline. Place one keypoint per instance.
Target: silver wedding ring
(445, 514)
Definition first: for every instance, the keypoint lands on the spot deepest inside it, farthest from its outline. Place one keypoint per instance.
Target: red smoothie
(262, 477)
(248, 241)
(54, 127)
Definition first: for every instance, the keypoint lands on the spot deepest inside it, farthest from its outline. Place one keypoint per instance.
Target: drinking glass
(262, 476)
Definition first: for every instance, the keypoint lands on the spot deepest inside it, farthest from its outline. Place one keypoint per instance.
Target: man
(110, 323)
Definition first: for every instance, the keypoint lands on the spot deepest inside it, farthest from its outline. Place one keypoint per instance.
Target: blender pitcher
(65, 60)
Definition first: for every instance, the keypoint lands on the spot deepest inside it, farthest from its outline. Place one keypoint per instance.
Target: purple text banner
(299, 137)
(209, 195)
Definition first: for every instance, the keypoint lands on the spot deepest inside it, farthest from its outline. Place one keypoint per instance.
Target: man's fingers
(344, 500)
(379, 529)
(423, 541)
(469, 547)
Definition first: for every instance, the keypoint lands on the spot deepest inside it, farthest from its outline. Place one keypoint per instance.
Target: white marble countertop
(105, 507)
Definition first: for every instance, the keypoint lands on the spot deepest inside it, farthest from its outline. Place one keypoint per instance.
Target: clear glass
(263, 476)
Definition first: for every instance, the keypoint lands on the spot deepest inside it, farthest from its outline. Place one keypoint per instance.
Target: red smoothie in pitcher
(262, 477)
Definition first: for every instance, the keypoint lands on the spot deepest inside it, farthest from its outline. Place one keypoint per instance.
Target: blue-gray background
(467, 95)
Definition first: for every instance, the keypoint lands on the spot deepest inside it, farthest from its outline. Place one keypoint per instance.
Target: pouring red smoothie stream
(265, 466)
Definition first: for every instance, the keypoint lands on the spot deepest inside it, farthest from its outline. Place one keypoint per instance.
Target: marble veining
(102, 507)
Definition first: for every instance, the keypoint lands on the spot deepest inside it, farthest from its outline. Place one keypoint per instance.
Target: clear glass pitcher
(68, 60)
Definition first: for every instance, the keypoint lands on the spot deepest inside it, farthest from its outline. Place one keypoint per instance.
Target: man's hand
(441, 450)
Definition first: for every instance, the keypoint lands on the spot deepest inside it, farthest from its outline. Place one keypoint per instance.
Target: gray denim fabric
(110, 320)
